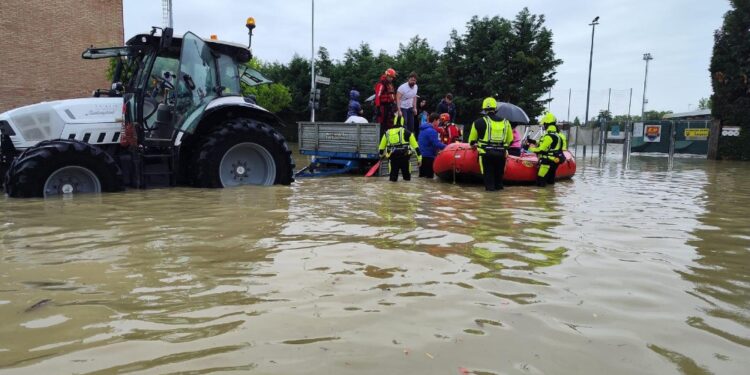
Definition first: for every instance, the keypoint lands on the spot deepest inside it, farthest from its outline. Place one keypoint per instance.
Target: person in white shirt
(406, 97)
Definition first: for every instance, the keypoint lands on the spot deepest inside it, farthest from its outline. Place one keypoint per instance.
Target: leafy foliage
(730, 68)
(705, 103)
(512, 60)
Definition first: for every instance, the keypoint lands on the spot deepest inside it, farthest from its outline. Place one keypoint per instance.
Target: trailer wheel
(62, 167)
(242, 152)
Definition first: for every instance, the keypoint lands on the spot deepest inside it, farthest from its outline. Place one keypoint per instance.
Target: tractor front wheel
(243, 152)
(62, 167)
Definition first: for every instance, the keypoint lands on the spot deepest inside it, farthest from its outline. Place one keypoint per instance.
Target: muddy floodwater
(644, 271)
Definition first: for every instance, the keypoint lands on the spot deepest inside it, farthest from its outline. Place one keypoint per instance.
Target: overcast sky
(678, 33)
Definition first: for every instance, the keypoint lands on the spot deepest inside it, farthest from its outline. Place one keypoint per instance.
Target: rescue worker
(397, 145)
(449, 132)
(385, 100)
(549, 151)
(491, 135)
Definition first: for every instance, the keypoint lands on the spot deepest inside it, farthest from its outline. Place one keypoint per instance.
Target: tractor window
(162, 65)
(230, 78)
(196, 82)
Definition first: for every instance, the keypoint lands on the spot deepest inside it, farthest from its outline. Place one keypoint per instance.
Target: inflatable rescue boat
(458, 162)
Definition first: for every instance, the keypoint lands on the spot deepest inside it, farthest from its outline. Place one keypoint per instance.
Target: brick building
(41, 43)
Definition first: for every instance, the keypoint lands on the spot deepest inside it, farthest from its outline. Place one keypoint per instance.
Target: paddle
(373, 170)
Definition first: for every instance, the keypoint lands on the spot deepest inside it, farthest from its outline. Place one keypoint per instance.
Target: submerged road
(614, 272)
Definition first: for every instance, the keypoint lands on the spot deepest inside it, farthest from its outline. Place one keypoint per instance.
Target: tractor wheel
(242, 152)
(62, 167)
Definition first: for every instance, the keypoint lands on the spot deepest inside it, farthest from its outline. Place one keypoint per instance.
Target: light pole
(588, 90)
(646, 57)
(312, 66)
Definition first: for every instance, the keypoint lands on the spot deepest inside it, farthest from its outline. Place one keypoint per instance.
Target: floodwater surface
(643, 271)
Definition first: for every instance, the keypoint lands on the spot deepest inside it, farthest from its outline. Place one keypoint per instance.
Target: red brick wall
(41, 43)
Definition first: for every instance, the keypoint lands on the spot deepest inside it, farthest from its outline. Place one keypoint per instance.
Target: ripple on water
(637, 271)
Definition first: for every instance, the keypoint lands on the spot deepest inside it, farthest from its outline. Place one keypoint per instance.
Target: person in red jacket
(449, 132)
(385, 99)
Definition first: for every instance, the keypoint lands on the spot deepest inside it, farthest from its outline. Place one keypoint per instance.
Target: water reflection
(720, 272)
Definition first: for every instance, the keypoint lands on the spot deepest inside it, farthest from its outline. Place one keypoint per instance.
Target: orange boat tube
(458, 162)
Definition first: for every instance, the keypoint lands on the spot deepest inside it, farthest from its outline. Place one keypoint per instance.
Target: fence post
(626, 144)
(671, 144)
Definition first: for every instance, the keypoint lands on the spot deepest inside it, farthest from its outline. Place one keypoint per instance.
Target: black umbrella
(512, 113)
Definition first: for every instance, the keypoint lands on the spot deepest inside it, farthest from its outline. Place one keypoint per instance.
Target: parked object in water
(458, 162)
(183, 122)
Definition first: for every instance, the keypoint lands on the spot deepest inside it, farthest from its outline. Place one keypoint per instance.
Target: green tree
(295, 76)
(730, 68)
(125, 73)
(605, 115)
(704, 103)
(419, 57)
(576, 121)
(274, 97)
(655, 115)
(358, 72)
(510, 60)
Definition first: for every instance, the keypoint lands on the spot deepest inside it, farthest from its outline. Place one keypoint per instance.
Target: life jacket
(397, 142)
(454, 133)
(555, 151)
(493, 141)
(387, 91)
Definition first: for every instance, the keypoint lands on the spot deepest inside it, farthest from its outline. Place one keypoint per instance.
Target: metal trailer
(338, 147)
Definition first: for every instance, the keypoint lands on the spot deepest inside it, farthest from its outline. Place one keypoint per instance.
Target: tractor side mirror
(166, 38)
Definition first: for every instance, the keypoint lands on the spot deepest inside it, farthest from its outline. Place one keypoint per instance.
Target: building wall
(41, 42)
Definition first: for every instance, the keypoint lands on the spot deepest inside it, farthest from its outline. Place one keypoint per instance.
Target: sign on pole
(730, 131)
(322, 80)
(696, 134)
(652, 133)
(638, 130)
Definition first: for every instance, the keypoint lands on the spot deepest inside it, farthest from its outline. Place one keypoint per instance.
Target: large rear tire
(62, 167)
(242, 152)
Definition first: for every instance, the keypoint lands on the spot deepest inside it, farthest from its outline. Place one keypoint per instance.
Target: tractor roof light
(214, 37)
(250, 23)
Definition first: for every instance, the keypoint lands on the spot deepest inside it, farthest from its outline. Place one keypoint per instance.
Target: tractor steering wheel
(163, 82)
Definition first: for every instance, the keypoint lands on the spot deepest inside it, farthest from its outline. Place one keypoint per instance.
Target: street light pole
(646, 57)
(312, 66)
(588, 90)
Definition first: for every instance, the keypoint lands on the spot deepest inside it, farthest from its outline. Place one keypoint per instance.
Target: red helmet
(390, 72)
(444, 117)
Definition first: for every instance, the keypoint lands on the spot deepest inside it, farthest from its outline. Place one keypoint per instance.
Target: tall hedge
(730, 76)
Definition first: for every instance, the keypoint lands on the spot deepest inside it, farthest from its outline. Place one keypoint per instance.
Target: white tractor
(181, 120)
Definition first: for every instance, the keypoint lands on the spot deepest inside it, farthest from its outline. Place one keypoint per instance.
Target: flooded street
(642, 271)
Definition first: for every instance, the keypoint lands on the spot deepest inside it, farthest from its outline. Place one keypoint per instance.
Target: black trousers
(493, 168)
(425, 170)
(402, 165)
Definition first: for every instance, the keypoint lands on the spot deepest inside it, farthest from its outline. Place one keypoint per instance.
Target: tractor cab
(173, 79)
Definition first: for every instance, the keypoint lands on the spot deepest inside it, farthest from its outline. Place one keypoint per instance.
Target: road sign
(322, 80)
